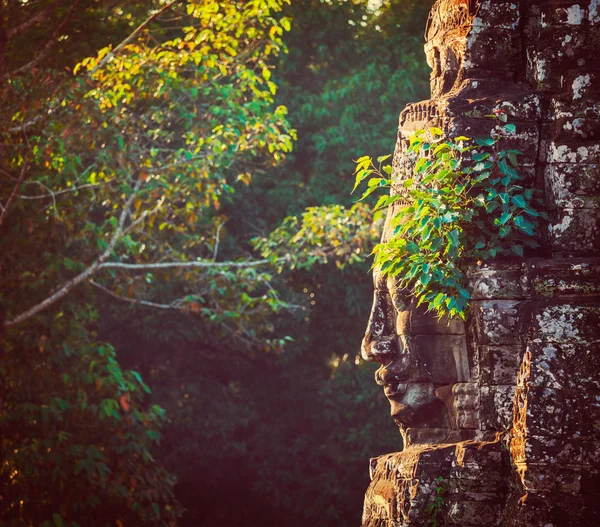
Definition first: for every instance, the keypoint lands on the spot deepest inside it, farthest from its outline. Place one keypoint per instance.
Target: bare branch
(202, 264)
(48, 47)
(68, 286)
(53, 195)
(27, 125)
(133, 35)
(174, 306)
(281, 303)
(32, 21)
(145, 215)
(216, 249)
(13, 194)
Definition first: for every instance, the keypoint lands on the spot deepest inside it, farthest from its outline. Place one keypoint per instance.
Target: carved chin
(402, 414)
(418, 407)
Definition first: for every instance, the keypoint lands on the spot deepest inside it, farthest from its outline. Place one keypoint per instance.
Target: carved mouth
(404, 417)
(395, 390)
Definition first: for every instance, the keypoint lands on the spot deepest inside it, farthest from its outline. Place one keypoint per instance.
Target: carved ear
(445, 394)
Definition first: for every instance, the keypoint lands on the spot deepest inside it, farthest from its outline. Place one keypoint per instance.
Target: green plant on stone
(465, 202)
(435, 506)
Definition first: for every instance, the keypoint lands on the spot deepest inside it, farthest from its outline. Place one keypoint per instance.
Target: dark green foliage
(77, 434)
(259, 439)
(262, 438)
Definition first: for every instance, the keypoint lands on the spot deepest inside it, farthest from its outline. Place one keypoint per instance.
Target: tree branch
(216, 248)
(133, 35)
(63, 191)
(135, 300)
(25, 126)
(13, 194)
(48, 47)
(203, 264)
(66, 288)
(32, 21)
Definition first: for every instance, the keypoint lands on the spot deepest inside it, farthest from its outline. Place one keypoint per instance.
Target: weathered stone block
(556, 510)
(495, 407)
(571, 276)
(560, 12)
(569, 323)
(496, 321)
(582, 85)
(575, 231)
(573, 129)
(506, 281)
(423, 323)
(499, 14)
(474, 513)
(565, 366)
(492, 49)
(571, 185)
(554, 152)
(444, 358)
(590, 407)
(590, 451)
(554, 450)
(499, 365)
(561, 108)
(554, 413)
(466, 404)
(544, 478)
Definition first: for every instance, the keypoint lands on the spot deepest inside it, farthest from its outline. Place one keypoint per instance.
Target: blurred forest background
(222, 393)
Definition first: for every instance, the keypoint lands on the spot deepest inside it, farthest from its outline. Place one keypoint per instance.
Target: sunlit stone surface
(502, 415)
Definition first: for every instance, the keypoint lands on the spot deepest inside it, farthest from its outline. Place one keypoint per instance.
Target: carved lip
(395, 390)
(404, 417)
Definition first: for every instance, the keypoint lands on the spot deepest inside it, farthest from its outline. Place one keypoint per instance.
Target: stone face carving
(504, 409)
(424, 365)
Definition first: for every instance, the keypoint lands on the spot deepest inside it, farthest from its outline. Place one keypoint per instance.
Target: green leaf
(360, 176)
(425, 279)
(525, 225)
(438, 300)
(413, 247)
(285, 23)
(69, 264)
(480, 157)
(381, 159)
(464, 293)
(519, 201)
(421, 165)
(368, 192)
(517, 249)
(436, 131)
(485, 141)
(504, 218)
(453, 237)
(510, 128)
(58, 521)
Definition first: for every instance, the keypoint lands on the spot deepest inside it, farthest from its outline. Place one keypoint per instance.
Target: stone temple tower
(505, 427)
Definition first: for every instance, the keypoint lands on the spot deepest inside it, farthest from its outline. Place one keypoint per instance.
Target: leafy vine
(466, 202)
(435, 506)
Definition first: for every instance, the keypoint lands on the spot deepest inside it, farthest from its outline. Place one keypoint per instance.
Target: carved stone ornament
(501, 415)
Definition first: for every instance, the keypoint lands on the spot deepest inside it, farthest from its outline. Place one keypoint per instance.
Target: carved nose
(379, 343)
(379, 350)
(396, 370)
